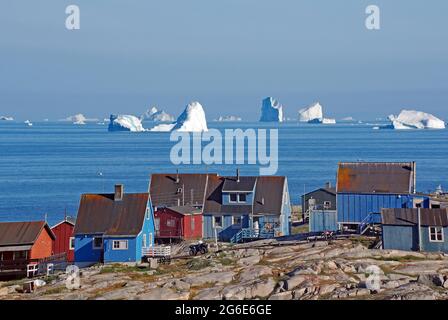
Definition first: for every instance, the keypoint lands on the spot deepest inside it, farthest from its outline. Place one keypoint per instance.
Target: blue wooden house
(115, 227)
(415, 229)
(364, 188)
(246, 207)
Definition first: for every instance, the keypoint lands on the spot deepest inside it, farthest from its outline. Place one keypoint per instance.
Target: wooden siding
(43, 246)
(63, 233)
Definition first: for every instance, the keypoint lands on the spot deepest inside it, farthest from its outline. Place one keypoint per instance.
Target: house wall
(188, 232)
(323, 220)
(321, 196)
(400, 237)
(285, 217)
(128, 255)
(434, 246)
(228, 229)
(63, 232)
(164, 215)
(84, 251)
(354, 208)
(226, 198)
(43, 246)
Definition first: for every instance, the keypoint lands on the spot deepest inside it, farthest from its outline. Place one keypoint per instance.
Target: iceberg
(328, 121)
(192, 119)
(411, 119)
(311, 114)
(271, 111)
(78, 119)
(125, 123)
(4, 118)
(28, 123)
(228, 119)
(350, 119)
(156, 115)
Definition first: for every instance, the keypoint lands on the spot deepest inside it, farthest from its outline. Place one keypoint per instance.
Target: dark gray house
(415, 229)
(323, 198)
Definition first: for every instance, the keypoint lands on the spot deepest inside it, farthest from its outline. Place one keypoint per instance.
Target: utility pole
(419, 229)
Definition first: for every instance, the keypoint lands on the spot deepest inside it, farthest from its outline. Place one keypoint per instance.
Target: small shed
(65, 240)
(323, 220)
(180, 222)
(321, 199)
(415, 229)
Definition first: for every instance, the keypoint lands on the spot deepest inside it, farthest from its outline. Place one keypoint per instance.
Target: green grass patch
(56, 290)
(198, 264)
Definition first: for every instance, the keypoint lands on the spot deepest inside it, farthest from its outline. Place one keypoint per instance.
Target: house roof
(376, 177)
(267, 200)
(100, 214)
(409, 217)
(331, 191)
(169, 190)
(69, 220)
(185, 210)
(244, 184)
(22, 233)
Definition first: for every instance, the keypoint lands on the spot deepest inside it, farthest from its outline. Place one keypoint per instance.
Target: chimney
(177, 175)
(119, 191)
(328, 185)
(237, 175)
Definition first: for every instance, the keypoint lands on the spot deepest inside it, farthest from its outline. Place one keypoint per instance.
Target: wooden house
(23, 243)
(364, 188)
(178, 223)
(65, 240)
(415, 229)
(115, 227)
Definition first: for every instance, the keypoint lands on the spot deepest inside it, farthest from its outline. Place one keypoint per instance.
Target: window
(20, 255)
(192, 226)
(71, 243)
(144, 241)
(236, 220)
(170, 223)
(233, 197)
(242, 197)
(327, 204)
(120, 245)
(217, 222)
(98, 243)
(435, 234)
(148, 214)
(157, 224)
(151, 241)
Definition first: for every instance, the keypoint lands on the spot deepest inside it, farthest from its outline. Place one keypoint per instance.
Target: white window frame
(238, 198)
(435, 233)
(70, 246)
(144, 243)
(151, 239)
(230, 197)
(119, 244)
(148, 214)
(327, 204)
(93, 243)
(214, 222)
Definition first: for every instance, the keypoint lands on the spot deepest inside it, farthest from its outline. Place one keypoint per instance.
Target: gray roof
(185, 210)
(100, 214)
(376, 177)
(22, 233)
(409, 217)
(244, 184)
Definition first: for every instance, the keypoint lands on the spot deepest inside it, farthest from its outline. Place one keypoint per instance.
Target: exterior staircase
(248, 234)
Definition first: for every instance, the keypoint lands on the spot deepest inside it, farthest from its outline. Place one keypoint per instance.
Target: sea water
(45, 168)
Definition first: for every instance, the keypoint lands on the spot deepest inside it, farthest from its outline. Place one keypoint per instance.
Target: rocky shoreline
(266, 269)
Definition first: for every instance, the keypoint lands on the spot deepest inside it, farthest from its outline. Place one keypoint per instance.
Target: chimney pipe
(177, 175)
(119, 191)
(237, 175)
(328, 185)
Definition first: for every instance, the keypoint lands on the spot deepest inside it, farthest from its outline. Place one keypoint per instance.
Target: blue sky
(129, 55)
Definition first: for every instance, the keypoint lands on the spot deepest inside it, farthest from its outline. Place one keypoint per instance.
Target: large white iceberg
(411, 119)
(192, 119)
(125, 123)
(156, 115)
(4, 118)
(271, 111)
(311, 114)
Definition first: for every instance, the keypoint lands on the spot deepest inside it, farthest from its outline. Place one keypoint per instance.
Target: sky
(229, 55)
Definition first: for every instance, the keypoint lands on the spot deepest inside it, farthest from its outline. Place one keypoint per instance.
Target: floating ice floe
(192, 119)
(348, 119)
(5, 118)
(125, 123)
(328, 121)
(228, 119)
(28, 123)
(156, 115)
(311, 114)
(411, 119)
(271, 111)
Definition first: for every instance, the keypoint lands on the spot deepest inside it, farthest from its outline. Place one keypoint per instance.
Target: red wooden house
(178, 223)
(23, 243)
(65, 241)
